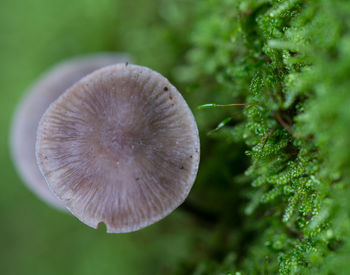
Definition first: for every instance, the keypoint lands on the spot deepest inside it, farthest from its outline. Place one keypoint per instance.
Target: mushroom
(120, 147)
(27, 116)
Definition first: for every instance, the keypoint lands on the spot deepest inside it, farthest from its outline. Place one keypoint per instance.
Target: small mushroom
(120, 147)
(46, 90)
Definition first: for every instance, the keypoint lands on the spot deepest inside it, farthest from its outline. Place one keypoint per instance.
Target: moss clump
(291, 61)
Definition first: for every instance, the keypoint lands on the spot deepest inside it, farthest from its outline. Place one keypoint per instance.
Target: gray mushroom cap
(120, 147)
(27, 116)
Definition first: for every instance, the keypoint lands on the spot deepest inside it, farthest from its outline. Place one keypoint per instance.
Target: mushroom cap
(120, 147)
(28, 113)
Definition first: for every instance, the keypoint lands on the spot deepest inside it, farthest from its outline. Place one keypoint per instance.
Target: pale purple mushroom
(46, 90)
(120, 147)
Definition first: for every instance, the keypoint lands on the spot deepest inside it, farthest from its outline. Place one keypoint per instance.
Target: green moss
(292, 60)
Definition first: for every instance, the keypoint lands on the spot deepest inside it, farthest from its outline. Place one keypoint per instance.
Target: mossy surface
(290, 61)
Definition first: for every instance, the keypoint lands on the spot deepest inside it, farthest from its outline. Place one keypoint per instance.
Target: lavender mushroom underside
(120, 147)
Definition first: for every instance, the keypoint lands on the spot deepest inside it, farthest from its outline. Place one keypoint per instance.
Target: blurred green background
(34, 35)
(37, 239)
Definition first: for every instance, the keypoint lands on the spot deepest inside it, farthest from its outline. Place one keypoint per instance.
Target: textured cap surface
(120, 147)
(47, 89)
